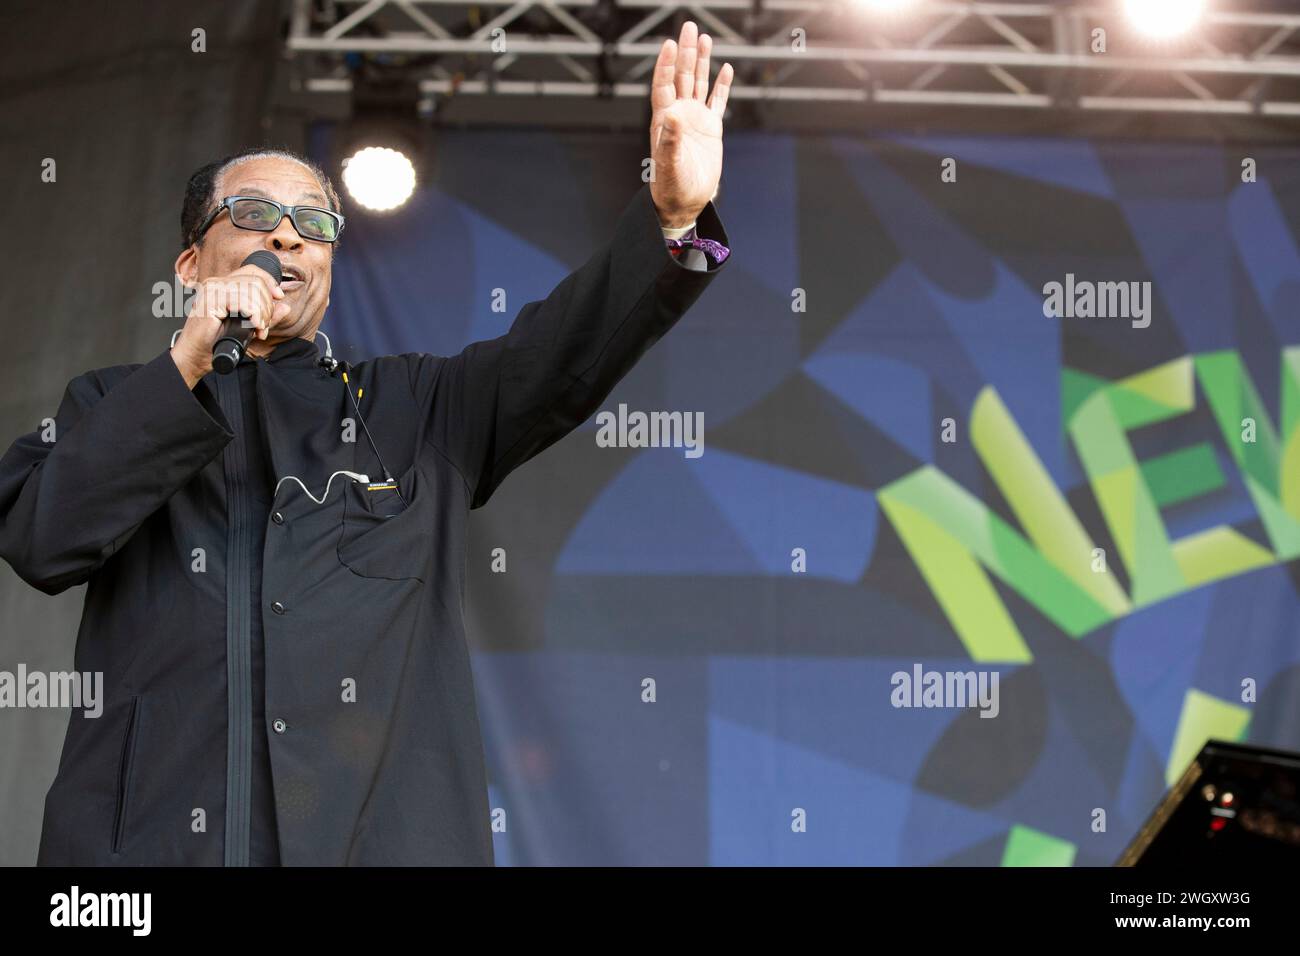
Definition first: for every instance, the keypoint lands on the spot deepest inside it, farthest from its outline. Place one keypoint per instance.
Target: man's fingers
(243, 297)
(199, 304)
(262, 276)
(251, 303)
(686, 55)
(721, 89)
(682, 68)
(702, 67)
(662, 91)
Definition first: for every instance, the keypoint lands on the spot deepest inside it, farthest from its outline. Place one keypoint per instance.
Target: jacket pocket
(124, 772)
(385, 531)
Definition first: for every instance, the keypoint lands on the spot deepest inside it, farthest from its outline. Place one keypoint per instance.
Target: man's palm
(686, 127)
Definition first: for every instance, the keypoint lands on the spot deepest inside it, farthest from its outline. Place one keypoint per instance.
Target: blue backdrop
(772, 737)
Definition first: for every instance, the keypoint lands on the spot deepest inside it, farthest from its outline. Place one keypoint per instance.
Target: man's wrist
(188, 370)
(676, 218)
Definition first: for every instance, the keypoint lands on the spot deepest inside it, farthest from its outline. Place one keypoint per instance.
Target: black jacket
(363, 592)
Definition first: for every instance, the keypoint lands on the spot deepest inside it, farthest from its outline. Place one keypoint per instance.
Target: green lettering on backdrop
(1270, 467)
(953, 537)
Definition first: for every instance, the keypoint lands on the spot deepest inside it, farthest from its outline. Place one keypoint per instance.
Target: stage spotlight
(1164, 19)
(383, 151)
(379, 178)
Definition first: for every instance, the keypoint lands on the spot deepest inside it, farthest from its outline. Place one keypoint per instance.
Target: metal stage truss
(1013, 55)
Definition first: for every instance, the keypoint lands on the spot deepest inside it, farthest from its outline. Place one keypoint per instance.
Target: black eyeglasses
(264, 215)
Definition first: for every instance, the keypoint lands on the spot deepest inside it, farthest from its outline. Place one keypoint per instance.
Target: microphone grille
(267, 262)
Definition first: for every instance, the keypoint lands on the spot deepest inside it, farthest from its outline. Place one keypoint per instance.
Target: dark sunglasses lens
(316, 224)
(254, 214)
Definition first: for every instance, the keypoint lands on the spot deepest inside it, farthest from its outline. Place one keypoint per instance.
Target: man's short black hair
(199, 192)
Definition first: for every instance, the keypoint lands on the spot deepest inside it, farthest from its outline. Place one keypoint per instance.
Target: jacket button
(279, 725)
(277, 607)
(277, 518)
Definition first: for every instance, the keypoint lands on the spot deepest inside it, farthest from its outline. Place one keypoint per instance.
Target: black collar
(295, 352)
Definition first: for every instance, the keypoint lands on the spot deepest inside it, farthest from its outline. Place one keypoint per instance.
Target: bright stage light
(1164, 19)
(379, 178)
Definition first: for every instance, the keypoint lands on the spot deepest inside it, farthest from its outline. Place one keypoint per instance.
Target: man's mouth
(291, 278)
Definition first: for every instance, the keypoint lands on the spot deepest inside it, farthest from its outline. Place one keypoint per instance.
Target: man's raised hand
(686, 127)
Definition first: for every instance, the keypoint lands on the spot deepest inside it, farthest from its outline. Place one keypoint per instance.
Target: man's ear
(187, 266)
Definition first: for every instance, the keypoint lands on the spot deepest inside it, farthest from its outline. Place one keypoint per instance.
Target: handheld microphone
(229, 348)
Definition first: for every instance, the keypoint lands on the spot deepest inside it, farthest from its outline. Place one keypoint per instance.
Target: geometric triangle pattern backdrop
(908, 468)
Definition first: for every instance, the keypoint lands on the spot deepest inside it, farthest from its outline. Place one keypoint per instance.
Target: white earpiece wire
(321, 500)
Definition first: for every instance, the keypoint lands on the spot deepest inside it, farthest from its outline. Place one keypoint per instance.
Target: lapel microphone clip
(327, 361)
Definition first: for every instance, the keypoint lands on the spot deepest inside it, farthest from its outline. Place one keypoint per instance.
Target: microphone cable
(388, 476)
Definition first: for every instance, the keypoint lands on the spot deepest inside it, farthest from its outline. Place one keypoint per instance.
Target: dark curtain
(117, 96)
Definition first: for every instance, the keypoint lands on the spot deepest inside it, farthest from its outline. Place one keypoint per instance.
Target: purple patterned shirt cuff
(715, 251)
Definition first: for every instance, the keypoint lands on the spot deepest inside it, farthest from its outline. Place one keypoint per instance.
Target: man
(276, 557)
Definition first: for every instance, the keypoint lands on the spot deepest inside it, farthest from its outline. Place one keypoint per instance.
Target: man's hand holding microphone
(251, 293)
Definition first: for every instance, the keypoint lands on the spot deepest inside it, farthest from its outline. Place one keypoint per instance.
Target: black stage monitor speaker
(1233, 805)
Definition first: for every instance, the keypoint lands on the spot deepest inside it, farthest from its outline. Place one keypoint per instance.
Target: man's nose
(284, 236)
